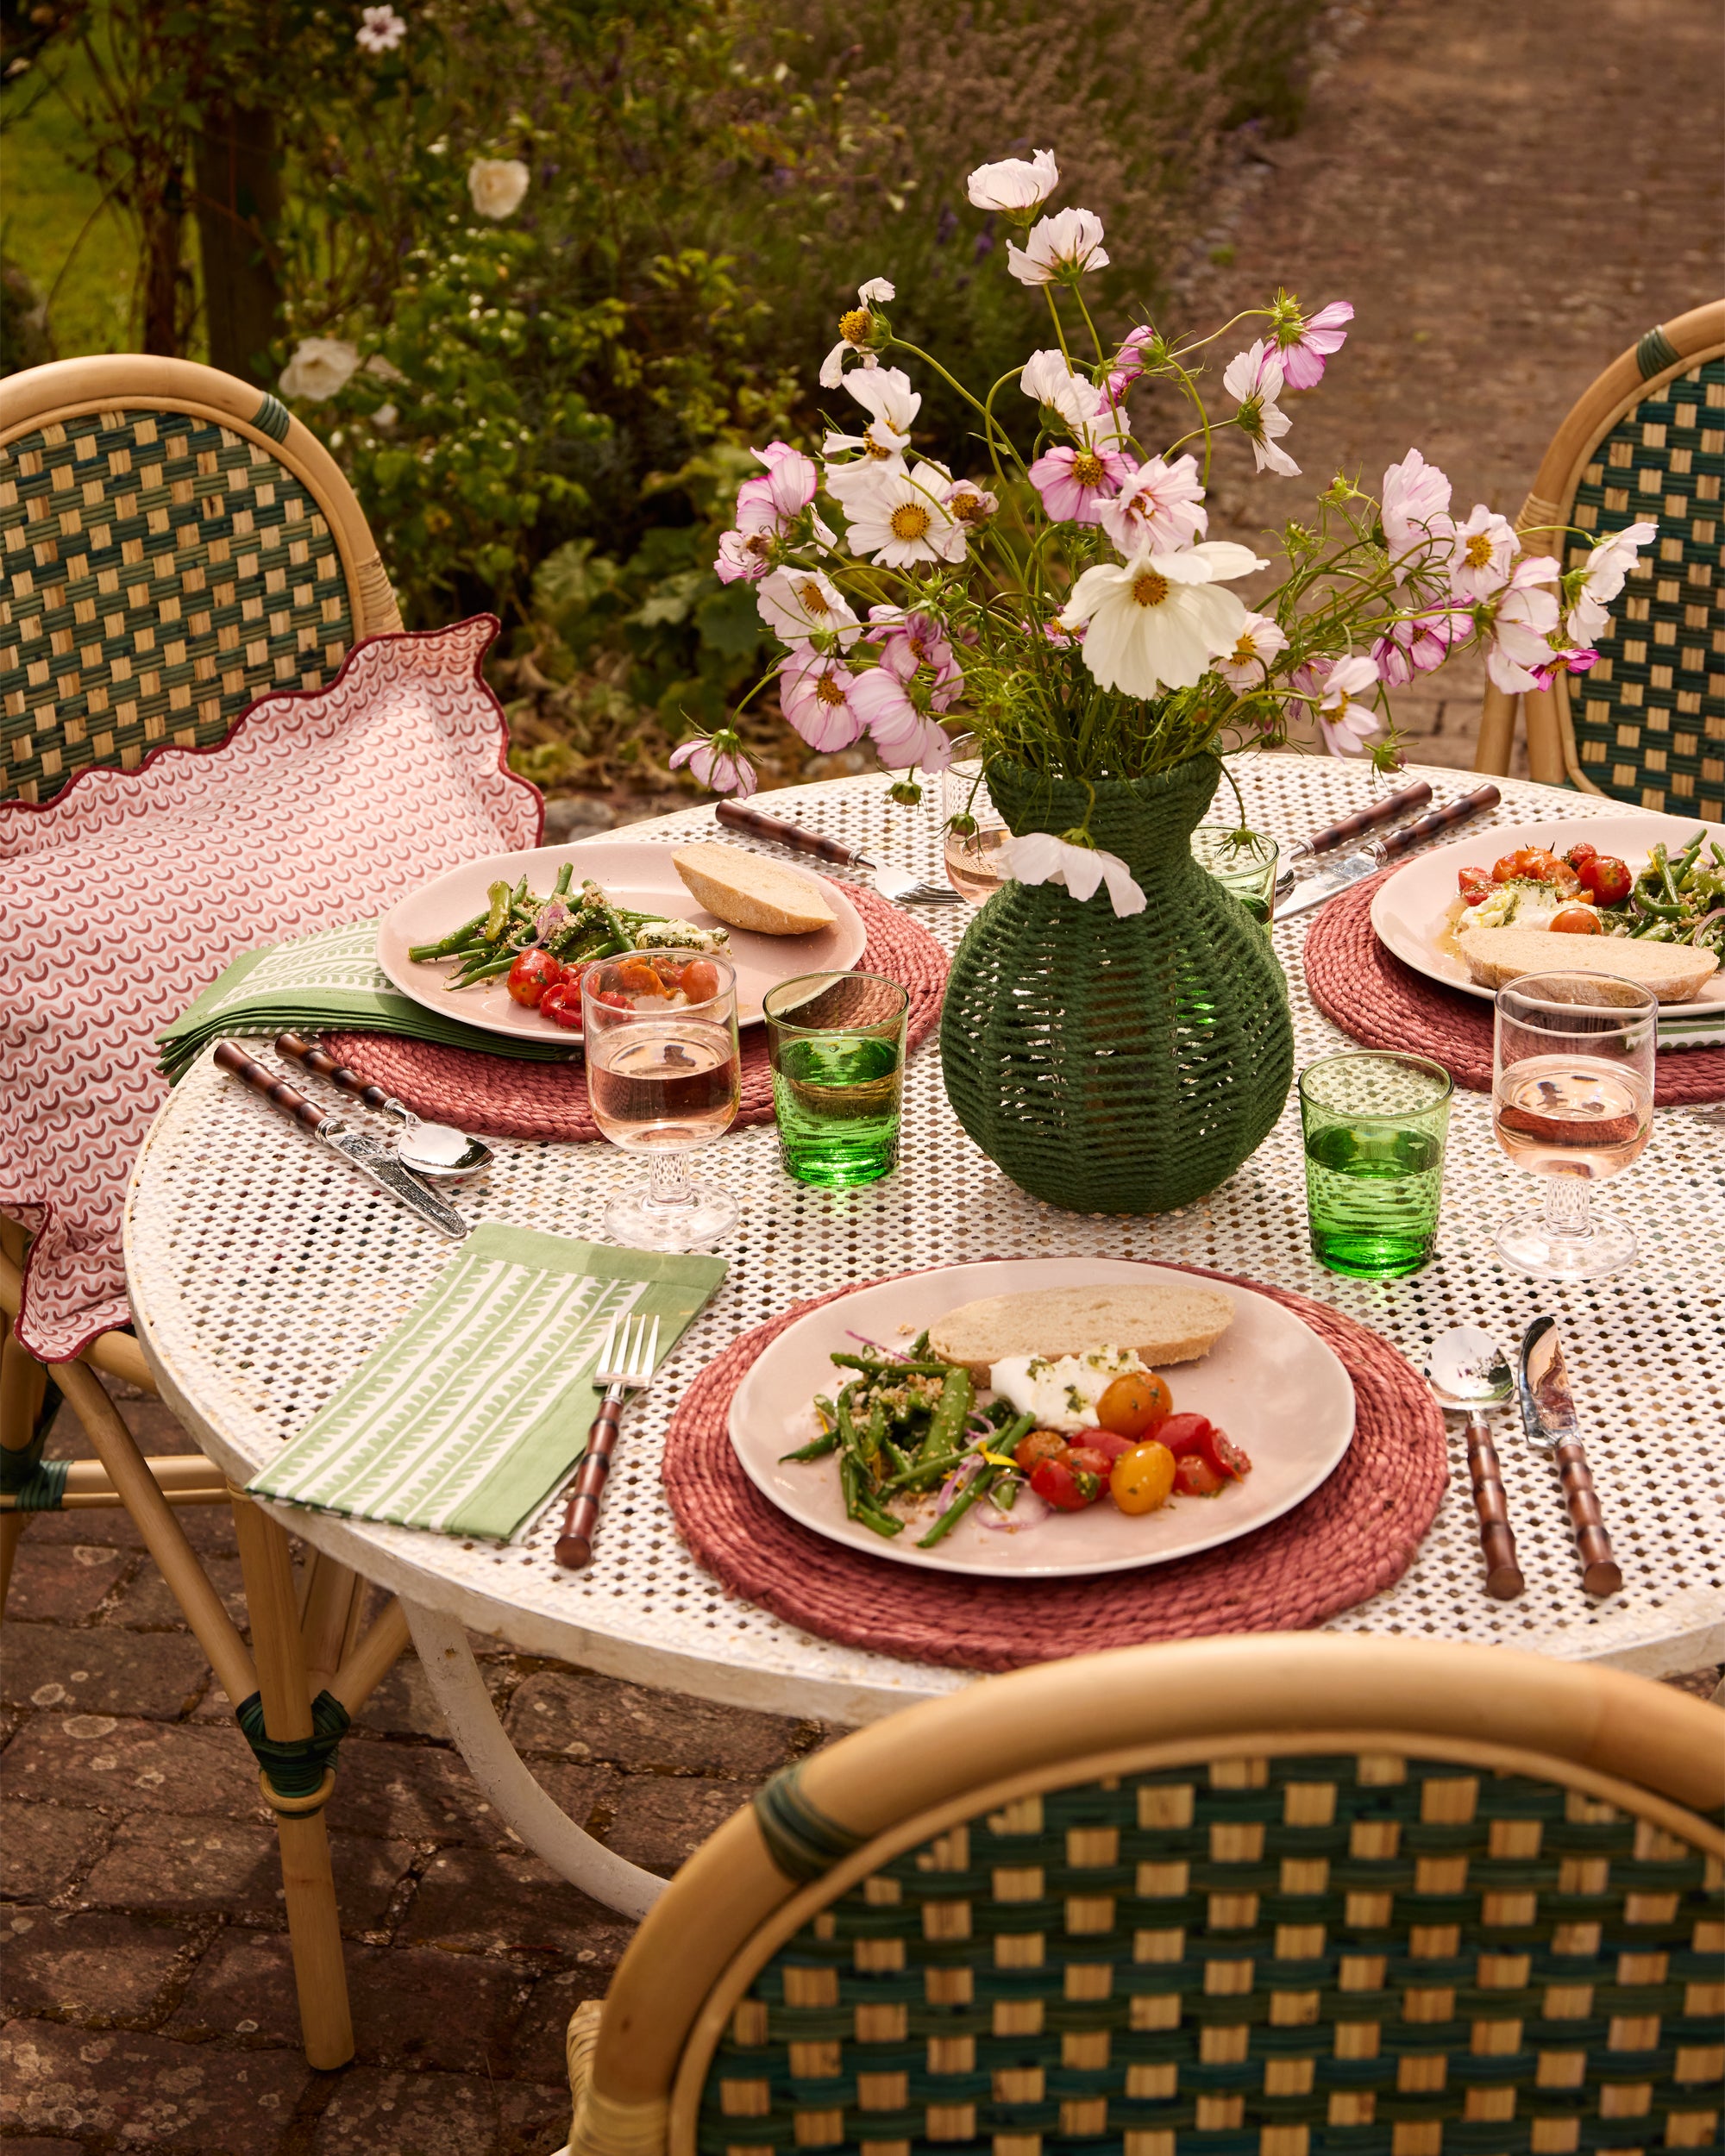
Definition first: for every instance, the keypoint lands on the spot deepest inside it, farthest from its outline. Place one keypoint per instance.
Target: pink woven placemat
(503, 1099)
(1353, 1536)
(1380, 1002)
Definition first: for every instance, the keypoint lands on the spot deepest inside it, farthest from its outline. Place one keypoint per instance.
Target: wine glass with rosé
(664, 1075)
(1572, 1101)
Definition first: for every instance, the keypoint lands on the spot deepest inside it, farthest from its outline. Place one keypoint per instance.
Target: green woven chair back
(1347, 1955)
(162, 570)
(1649, 720)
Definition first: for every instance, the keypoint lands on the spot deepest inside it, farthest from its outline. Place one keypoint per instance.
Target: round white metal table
(262, 1271)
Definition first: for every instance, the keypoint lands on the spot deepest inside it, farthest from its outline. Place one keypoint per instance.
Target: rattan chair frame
(306, 1634)
(639, 2063)
(1669, 349)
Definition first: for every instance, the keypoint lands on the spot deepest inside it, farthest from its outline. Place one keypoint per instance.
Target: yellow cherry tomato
(1134, 1404)
(1141, 1478)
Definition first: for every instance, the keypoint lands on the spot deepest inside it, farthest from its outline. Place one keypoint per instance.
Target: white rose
(320, 366)
(497, 185)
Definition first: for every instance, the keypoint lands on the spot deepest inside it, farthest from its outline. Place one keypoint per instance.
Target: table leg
(313, 1921)
(460, 1694)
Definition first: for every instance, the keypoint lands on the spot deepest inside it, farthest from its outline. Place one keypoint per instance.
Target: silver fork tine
(607, 1350)
(651, 1354)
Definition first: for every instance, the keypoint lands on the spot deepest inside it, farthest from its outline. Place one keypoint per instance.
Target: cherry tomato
(562, 1003)
(1183, 1434)
(1475, 884)
(636, 977)
(1090, 1459)
(531, 975)
(1503, 869)
(1135, 1403)
(1543, 867)
(1578, 920)
(1107, 1441)
(1067, 1489)
(1041, 1445)
(1143, 1477)
(700, 980)
(1193, 1477)
(1578, 857)
(1223, 1457)
(1611, 880)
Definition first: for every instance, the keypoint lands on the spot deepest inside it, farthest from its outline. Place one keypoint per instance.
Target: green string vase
(1113, 1065)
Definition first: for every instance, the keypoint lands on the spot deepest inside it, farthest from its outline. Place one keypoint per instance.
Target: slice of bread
(1674, 972)
(745, 891)
(1165, 1324)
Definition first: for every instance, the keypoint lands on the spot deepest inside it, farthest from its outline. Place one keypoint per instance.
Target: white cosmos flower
(1602, 578)
(798, 604)
(1157, 621)
(877, 291)
(1518, 634)
(1260, 640)
(1017, 187)
(320, 366)
(497, 185)
(1041, 857)
(1050, 377)
(1344, 722)
(1062, 245)
(885, 393)
(1254, 380)
(903, 518)
(1482, 553)
(856, 333)
(381, 29)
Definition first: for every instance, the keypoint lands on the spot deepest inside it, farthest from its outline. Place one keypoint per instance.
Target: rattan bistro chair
(1297, 1896)
(175, 546)
(1647, 440)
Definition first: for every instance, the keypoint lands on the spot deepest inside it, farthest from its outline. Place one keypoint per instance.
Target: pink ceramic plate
(1270, 1383)
(631, 872)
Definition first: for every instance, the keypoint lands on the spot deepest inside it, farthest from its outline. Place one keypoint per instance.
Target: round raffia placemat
(1355, 1534)
(1380, 1002)
(504, 1099)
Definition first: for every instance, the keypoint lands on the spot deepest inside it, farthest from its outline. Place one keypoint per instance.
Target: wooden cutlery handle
(232, 1056)
(574, 1544)
(321, 1060)
(1503, 1580)
(1456, 812)
(1600, 1574)
(1365, 820)
(760, 825)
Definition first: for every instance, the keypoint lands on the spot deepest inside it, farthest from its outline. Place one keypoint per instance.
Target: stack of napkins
(476, 1408)
(329, 981)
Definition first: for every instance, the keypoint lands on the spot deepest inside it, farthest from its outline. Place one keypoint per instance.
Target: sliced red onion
(551, 916)
(966, 1472)
(893, 1354)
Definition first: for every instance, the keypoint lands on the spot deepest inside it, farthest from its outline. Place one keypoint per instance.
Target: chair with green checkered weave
(1298, 1895)
(1646, 441)
(176, 545)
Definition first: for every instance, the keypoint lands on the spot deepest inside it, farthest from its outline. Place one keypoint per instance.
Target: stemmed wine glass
(1572, 1101)
(663, 1074)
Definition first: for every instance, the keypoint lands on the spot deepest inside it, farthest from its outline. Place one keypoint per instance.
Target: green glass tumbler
(1242, 861)
(1374, 1127)
(837, 1044)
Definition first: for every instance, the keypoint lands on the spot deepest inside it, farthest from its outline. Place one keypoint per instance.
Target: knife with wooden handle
(1337, 876)
(1548, 1416)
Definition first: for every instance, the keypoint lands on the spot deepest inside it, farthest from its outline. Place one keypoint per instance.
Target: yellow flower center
(910, 521)
(1149, 589)
(1479, 550)
(812, 598)
(1343, 700)
(968, 508)
(873, 448)
(854, 326)
(1088, 469)
(827, 690)
(1244, 650)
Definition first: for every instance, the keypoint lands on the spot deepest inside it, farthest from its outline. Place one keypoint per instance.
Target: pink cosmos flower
(1253, 378)
(1565, 659)
(814, 695)
(972, 505)
(1247, 666)
(902, 737)
(1415, 511)
(1161, 506)
(744, 554)
(1417, 643)
(1074, 483)
(1346, 724)
(1128, 362)
(911, 640)
(1306, 344)
(1481, 552)
(1519, 625)
(783, 491)
(718, 763)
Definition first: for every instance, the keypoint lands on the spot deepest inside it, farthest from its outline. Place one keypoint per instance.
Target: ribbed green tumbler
(1114, 1064)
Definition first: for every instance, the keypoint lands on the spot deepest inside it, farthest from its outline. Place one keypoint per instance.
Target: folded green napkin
(1692, 1025)
(328, 981)
(476, 1407)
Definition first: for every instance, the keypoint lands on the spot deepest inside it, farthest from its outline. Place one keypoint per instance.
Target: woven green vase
(1116, 1065)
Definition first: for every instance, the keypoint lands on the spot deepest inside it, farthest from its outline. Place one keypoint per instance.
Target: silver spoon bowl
(438, 1150)
(1470, 1374)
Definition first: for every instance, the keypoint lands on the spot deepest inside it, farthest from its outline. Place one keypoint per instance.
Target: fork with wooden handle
(626, 1366)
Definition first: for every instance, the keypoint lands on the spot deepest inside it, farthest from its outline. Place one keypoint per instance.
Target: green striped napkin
(477, 1406)
(329, 980)
(1692, 1025)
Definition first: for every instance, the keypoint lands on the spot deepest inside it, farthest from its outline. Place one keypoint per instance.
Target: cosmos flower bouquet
(1065, 598)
